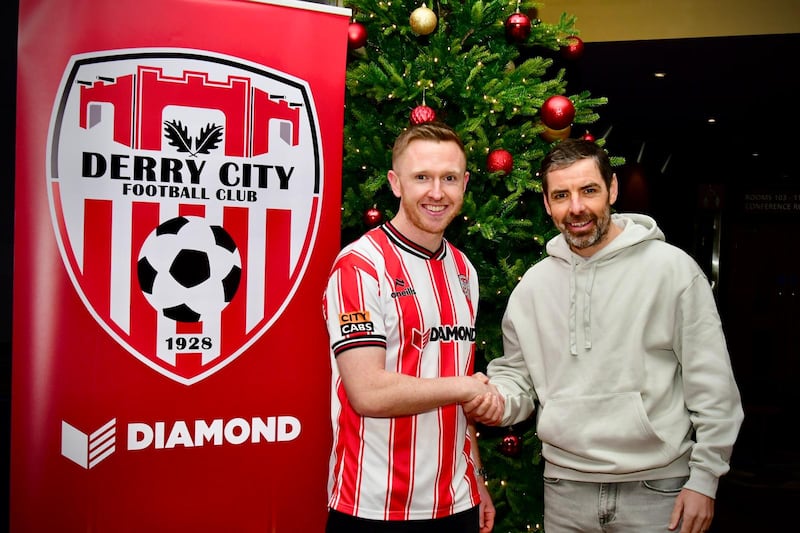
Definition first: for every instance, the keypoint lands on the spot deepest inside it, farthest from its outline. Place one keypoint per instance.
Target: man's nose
(576, 204)
(436, 188)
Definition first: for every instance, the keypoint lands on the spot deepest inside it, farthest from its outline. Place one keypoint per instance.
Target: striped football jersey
(386, 291)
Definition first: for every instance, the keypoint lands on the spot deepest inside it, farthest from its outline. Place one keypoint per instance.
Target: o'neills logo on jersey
(185, 192)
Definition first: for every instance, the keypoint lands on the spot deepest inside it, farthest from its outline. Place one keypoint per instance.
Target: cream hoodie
(625, 355)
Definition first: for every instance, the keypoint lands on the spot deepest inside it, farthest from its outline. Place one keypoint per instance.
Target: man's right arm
(376, 392)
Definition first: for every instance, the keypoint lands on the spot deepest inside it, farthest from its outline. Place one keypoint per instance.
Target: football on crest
(189, 270)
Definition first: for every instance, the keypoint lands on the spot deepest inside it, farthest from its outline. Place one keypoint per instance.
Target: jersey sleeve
(352, 305)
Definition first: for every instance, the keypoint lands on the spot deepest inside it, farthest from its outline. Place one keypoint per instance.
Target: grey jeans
(627, 507)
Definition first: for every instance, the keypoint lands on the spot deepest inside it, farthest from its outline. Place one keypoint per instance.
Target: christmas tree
(495, 73)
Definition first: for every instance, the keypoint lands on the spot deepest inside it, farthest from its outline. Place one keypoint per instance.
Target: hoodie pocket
(606, 433)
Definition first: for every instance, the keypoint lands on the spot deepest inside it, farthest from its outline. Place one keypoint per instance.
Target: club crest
(464, 282)
(185, 192)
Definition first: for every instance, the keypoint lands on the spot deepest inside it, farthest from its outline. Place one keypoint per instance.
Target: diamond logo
(88, 450)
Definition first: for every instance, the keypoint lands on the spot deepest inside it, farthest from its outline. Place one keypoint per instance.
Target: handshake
(486, 404)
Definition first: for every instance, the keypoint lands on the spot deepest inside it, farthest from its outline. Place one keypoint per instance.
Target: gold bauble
(423, 21)
(551, 135)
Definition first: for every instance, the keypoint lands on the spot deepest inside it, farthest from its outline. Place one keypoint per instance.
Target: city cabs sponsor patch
(355, 322)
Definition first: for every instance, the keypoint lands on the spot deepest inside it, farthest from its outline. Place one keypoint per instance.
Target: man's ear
(546, 203)
(394, 181)
(613, 190)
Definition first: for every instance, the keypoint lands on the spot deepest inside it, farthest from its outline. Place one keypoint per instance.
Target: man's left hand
(487, 511)
(695, 509)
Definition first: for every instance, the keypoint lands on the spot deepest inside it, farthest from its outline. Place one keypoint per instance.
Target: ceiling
(626, 20)
(748, 84)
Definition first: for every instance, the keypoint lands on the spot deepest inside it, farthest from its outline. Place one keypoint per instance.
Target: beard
(425, 224)
(587, 240)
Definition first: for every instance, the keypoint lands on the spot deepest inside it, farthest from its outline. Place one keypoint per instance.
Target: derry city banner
(177, 197)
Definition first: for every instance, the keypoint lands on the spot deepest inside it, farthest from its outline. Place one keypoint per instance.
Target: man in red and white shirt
(400, 307)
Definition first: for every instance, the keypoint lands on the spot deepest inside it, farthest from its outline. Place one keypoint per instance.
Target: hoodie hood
(636, 228)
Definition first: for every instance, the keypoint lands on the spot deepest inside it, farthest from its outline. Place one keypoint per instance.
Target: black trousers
(463, 522)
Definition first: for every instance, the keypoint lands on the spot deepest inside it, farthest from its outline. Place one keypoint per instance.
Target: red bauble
(372, 217)
(356, 35)
(587, 136)
(511, 445)
(518, 27)
(573, 49)
(422, 113)
(500, 160)
(558, 112)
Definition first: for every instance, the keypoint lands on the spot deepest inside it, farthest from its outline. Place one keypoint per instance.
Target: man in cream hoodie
(617, 338)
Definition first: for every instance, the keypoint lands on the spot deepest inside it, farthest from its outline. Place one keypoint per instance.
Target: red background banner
(262, 464)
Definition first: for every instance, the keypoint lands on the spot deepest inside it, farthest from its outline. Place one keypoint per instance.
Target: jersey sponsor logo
(420, 339)
(453, 333)
(170, 173)
(355, 322)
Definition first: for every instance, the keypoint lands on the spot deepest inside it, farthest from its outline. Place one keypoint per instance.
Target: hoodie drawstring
(587, 309)
(573, 319)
